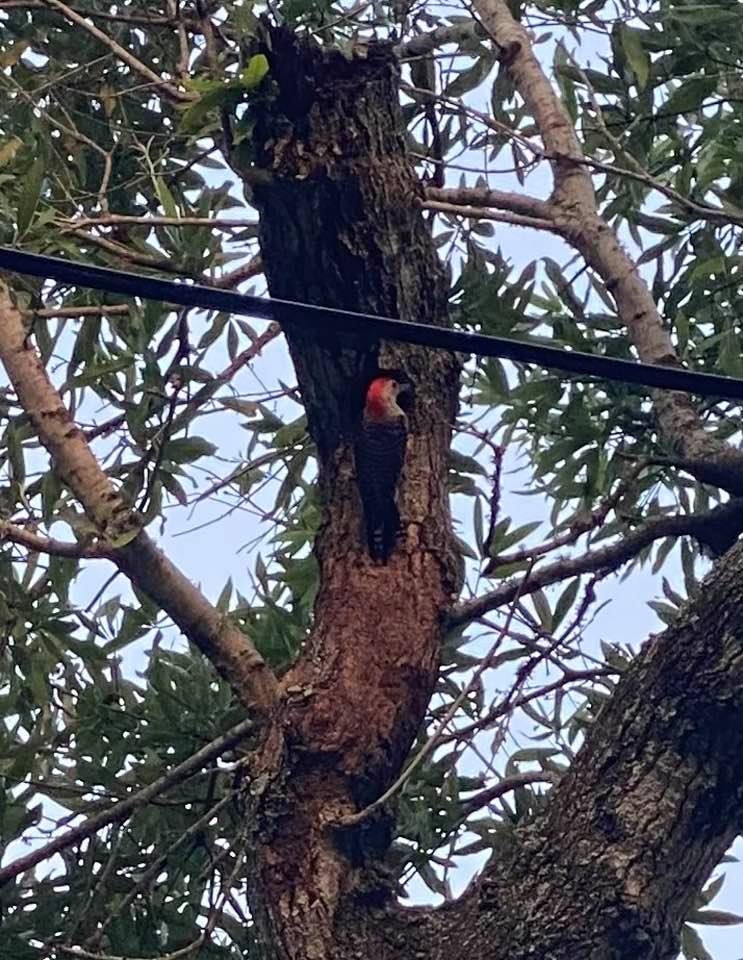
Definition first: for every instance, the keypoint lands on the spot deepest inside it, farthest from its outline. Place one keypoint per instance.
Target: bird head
(382, 395)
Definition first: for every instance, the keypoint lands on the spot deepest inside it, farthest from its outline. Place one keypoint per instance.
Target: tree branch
(482, 213)
(14, 533)
(526, 206)
(132, 256)
(253, 268)
(456, 33)
(113, 219)
(576, 215)
(487, 796)
(131, 548)
(93, 310)
(169, 91)
(719, 528)
(121, 810)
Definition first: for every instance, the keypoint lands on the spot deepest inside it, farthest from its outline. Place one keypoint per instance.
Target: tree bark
(341, 226)
(611, 868)
(609, 871)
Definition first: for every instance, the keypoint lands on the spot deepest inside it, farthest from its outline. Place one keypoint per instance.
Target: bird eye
(395, 384)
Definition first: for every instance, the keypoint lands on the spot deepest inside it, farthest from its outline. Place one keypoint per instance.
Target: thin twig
(486, 797)
(171, 92)
(113, 219)
(103, 309)
(253, 268)
(24, 537)
(120, 811)
(87, 955)
(483, 213)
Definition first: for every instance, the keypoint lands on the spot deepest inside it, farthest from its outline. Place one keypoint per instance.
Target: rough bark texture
(652, 801)
(341, 226)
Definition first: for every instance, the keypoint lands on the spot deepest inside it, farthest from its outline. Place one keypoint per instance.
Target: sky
(209, 551)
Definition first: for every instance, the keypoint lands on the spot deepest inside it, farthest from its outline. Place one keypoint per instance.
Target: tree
(306, 742)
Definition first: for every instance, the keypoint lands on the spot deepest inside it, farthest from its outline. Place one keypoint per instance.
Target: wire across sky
(355, 326)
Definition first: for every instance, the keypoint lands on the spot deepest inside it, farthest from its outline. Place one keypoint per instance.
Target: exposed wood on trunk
(341, 226)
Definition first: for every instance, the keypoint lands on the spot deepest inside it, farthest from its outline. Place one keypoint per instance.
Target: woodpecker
(379, 453)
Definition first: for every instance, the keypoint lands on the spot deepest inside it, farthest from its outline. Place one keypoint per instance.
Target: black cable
(327, 320)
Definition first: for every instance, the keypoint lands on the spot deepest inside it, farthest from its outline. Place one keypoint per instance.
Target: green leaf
(14, 448)
(30, 194)
(717, 918)
(565, 602)
(542, 608)
(692, 946)
(188, 449)
(165, 197)
(689, 96)
(255, 71)
(471, 77)
(195, 116)
(95, 371)
(637, 56)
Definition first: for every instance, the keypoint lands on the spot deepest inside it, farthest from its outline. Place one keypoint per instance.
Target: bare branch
(482, 213)
(485, 797)
(24, 537)
(179, 954)
(132, 550)
(132, 256)
(113, 219)
(530, 207)
(103, 309)
(455, 33)
(719, 528)
(253, 268)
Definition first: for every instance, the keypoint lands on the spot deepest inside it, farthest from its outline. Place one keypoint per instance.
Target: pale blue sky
(215, 551)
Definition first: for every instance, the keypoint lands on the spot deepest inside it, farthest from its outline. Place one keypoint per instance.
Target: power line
(331, 322)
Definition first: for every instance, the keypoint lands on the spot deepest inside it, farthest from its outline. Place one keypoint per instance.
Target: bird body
(379, 453)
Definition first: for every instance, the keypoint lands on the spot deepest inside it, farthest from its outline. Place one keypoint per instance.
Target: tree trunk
(652, 801)
(341, 226)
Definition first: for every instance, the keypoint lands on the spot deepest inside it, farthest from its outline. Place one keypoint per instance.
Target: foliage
(99, 694)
